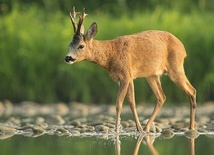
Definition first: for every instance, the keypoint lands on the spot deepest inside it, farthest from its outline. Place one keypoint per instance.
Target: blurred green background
(34, 37)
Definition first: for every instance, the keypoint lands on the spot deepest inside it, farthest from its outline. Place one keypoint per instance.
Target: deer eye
(81, 47)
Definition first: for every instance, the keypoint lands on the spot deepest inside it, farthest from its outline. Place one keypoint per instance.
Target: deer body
(147, 54)
(139, 55)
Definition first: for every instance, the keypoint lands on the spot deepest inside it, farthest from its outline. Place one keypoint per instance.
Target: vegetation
(34, 39)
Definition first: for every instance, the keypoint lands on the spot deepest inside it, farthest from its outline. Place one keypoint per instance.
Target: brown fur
(146, 54)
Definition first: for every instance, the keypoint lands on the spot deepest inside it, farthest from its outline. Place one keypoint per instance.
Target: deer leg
(131, 99)
(155, 84)
(180, 79)
(123, 86)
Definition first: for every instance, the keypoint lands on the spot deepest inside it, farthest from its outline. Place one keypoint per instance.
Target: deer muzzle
(69, 59)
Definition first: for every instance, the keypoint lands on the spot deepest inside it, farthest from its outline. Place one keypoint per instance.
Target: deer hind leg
(179, 78)
(123, 86)
(131, 99)
(155, 84)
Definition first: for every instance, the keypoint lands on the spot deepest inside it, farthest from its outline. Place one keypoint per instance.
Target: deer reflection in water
(192, 146)
(148, 140)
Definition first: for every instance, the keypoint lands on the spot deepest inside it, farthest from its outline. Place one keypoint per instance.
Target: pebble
(162, 121)
(77, 129)
(61, 109)
(203, 119)
(82, 126)
(191, 134)
(131, 123)
(90, 128)
(42, 125)
(97, 123)
(180, 125)
(125, 124)
(110, 125)
(6, 129)
(61, 131)
(33, 120)
(130, 129)
(1, 109)
(167, 133)
(9, 108)
(55, 119)
(210, 128)
(75, 133)
(33, 131)
(37, 130)
(75, 123)
(83, 130)
(100, 128)
(27, 132)
(202, 129)
(162, 125)
(6, 135)
(79, 109)
(103, 118)
(40, 120)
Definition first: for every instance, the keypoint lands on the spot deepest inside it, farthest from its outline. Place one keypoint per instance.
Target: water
(109, 145)
(77, 129)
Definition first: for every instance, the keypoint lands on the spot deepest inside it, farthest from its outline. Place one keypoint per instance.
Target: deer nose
(69, 58)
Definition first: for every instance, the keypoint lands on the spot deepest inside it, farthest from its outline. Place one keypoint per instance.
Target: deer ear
(92, 31)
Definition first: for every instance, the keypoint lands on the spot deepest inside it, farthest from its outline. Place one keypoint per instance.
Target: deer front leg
(131, 99)
(123, 86)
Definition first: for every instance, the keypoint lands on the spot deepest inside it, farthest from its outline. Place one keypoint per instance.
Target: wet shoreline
(75, 119)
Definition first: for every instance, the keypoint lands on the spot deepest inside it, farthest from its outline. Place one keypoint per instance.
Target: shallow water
(78, 129)
(126, 145)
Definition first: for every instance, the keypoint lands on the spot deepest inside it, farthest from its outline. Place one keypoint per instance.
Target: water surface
(78, 129)
(127, 145)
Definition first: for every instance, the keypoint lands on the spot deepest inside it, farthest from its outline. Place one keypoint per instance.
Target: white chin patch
(70, 62)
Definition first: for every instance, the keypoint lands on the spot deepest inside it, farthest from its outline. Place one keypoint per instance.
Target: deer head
(79, 46)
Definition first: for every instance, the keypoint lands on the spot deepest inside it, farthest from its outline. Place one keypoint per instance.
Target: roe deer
(146, 54)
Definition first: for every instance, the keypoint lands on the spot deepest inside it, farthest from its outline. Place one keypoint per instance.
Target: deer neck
(101, 53)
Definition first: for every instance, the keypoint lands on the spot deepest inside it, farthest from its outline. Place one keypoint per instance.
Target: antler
(73, 19)
(80, 27)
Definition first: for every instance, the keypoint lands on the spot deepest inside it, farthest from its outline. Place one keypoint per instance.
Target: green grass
(34, 43)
